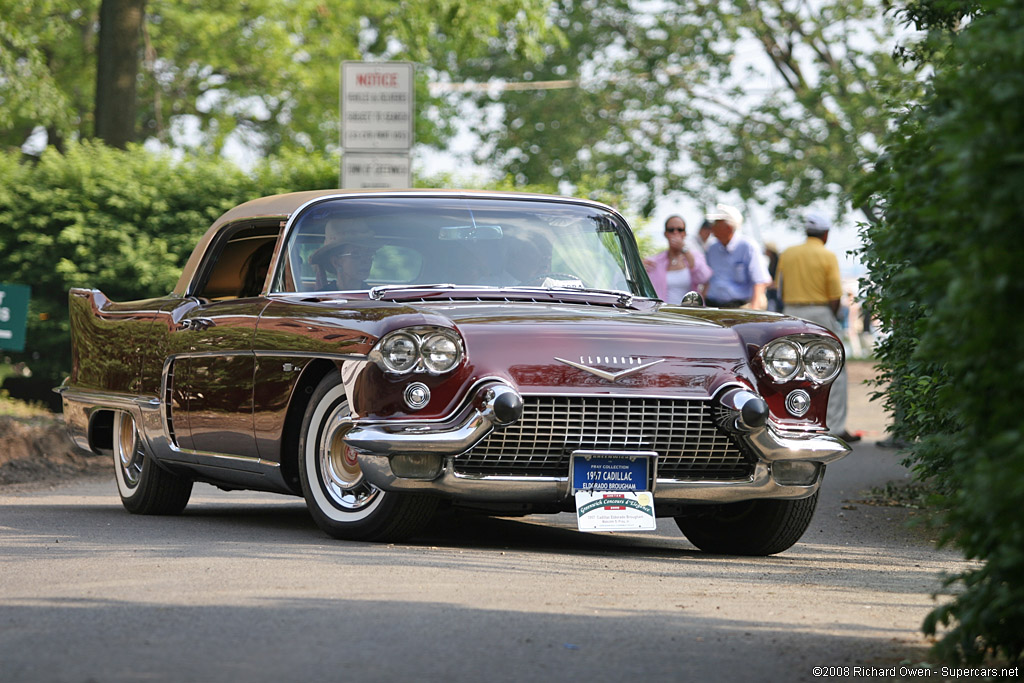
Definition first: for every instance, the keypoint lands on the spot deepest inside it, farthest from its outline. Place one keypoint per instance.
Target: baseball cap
(816, 223)
(729, 214)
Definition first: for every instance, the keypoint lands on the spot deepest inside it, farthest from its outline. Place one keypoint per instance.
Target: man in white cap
(808, 279)
(739, 276)
(344, 261)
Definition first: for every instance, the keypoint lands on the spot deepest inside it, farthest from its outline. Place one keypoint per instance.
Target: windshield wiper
(624, 298)
(378, 292)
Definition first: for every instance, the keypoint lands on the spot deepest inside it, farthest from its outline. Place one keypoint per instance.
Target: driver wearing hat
(344, 261)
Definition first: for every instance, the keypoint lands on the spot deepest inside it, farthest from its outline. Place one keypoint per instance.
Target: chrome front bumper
(495, 405)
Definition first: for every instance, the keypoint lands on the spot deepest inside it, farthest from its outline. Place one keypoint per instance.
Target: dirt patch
(36, 451)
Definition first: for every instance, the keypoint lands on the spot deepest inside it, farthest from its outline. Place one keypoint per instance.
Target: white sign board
(615, 511)
(360, 171)
(376, 106)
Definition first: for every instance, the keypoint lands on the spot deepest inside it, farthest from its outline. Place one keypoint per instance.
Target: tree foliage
(945, 270)
(47, 68)
(779, 100)
(264, 71)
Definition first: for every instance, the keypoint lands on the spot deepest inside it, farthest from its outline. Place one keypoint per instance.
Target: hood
(547, 347)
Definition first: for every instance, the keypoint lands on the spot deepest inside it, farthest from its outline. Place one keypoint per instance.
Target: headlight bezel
(429, 349)
(809, 362)
(778, 346)
(804, 344)
(388, 345)
(419, 336)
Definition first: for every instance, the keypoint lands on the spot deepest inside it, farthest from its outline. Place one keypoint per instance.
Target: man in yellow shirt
(808, 281)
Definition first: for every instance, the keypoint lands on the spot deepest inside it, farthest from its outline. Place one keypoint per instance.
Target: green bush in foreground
(947, 266)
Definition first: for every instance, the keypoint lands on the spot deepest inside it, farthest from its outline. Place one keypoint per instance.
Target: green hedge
(947, 267)
(123, 222)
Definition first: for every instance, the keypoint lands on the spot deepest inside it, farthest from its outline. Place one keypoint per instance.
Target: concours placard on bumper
(619, 511)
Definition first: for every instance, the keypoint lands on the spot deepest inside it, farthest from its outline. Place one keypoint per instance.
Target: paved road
(244, 587)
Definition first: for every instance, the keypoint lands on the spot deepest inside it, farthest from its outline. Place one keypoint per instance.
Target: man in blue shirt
(739, 275)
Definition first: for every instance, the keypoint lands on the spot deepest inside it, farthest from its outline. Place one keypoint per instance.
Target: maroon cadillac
(382, 354)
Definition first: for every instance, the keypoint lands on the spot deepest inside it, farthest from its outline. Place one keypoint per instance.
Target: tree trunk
(117, 68)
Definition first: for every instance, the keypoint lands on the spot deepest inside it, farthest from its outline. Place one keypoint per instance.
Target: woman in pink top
(677, 270)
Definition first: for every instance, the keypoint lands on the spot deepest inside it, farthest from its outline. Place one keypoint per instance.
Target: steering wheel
(538, 280)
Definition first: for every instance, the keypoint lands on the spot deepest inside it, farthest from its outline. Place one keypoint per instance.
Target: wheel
(753, 527)
(145, 487)
(339, 498)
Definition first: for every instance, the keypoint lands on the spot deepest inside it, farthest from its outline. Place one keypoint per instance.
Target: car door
(211, 380)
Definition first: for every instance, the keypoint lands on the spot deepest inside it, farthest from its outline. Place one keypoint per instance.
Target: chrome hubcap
(339, 465)
(129, 451)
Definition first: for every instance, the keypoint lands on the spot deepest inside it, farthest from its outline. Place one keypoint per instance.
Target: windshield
(354, 244)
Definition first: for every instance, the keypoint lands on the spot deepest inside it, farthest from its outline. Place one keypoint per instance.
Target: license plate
(610, 472)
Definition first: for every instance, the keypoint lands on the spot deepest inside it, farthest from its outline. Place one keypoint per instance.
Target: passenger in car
(479, 263)
(347, 254)
(529, 260)
(254, 272)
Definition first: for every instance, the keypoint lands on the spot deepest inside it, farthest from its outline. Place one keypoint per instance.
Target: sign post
(13, 316)
(377, 118)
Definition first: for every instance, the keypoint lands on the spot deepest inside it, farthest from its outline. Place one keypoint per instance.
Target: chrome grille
(681, 431)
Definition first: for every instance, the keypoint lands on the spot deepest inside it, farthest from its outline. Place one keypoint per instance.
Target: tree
(117, 68)
(944, 263)
(779, 100)
(264, 72)
(47, 73)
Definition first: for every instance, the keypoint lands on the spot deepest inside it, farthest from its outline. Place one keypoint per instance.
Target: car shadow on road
(344, 638)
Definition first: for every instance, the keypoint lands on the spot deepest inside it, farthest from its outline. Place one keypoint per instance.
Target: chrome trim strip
(309, 354)
(101, 399)
(268, 353)
(165, 433)
(231, 458)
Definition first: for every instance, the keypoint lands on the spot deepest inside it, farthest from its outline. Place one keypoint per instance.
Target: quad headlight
(435, 350)
(810, 357)
(782, 359)
(399, 352)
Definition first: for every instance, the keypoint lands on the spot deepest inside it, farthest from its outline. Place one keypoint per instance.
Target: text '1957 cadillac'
(382, 354)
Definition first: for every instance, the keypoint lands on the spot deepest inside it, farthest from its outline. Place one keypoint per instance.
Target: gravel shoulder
(35, 452)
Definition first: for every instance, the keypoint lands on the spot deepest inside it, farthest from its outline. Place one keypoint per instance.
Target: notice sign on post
(13, 316)
(363, 171)
(376, 107)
